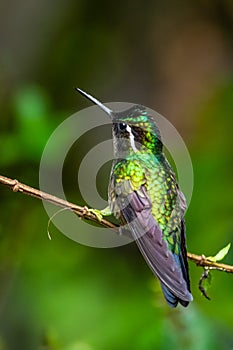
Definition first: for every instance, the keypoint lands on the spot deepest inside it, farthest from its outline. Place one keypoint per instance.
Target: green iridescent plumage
(144, 194)
(156, 175)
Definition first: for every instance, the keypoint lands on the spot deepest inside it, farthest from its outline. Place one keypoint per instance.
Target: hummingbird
(143, 194)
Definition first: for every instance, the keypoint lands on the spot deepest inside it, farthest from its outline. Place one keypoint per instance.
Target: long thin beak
(95, 101)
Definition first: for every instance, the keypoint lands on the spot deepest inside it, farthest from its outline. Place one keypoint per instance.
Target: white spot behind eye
(131, 138)
(128, 128)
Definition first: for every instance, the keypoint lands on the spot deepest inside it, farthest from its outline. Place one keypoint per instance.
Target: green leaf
(221, 254)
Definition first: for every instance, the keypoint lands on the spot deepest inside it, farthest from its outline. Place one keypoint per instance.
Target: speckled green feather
(156, 175)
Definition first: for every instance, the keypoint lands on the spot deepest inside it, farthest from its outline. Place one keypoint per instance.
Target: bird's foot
(98, 213)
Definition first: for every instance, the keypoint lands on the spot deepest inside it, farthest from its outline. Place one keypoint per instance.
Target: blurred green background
(172, 56)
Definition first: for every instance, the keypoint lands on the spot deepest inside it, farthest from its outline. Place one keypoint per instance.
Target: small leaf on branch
(220, 255)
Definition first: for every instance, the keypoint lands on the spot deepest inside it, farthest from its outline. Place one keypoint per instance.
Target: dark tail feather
(172, 299)
(181, 261)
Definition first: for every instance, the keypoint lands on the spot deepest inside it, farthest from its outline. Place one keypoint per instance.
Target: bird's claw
(98, 213)
(95, 212)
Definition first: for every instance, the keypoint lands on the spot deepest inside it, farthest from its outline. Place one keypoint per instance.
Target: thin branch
(201, 260)
(83, 212)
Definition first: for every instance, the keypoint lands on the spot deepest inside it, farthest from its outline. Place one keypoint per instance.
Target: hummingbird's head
(138, 129)
(134, 130)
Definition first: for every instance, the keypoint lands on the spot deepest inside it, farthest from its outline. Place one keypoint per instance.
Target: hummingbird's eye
(122, 126)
